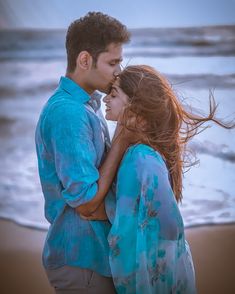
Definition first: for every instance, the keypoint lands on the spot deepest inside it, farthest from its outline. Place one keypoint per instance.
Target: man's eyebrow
(117, 60)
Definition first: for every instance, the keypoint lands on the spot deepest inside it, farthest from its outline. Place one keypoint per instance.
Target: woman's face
(115, 102)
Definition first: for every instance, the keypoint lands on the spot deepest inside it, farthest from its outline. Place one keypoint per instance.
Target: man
(70, 148)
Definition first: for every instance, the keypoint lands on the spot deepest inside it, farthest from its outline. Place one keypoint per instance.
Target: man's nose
(117, 70)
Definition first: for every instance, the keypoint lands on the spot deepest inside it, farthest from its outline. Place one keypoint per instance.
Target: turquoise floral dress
(148, 250)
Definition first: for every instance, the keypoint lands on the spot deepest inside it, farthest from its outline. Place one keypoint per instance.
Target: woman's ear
(84, 60)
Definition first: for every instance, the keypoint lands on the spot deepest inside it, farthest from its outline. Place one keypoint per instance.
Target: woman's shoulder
(144, 155)
(144, 151)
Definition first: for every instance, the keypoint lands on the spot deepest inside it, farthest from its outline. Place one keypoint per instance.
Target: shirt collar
(95, 101)
(76, 92)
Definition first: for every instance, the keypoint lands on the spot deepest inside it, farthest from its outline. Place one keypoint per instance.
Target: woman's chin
(108, 116)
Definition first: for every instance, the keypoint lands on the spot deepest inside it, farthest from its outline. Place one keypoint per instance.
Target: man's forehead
(113, 57)
(113, 51)
(114, 47)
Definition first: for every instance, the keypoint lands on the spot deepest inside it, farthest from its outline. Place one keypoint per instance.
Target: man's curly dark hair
(93, 33)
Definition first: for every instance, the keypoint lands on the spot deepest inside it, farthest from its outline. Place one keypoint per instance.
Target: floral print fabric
(148, 250)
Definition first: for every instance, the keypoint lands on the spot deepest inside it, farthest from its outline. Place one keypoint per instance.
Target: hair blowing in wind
(161, 120)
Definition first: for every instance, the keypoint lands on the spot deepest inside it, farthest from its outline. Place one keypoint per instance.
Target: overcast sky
(133, 13)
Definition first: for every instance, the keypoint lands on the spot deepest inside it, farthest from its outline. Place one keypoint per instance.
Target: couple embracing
(115, 226)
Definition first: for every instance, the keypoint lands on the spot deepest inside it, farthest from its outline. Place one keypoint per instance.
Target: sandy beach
(214, 258)
(22, 273)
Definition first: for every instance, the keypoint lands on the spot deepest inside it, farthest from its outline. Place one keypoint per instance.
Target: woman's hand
(98, 214)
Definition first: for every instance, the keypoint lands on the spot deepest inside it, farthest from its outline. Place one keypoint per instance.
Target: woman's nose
(105, 99)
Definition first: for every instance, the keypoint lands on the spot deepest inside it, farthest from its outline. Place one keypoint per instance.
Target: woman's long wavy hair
(161, 120)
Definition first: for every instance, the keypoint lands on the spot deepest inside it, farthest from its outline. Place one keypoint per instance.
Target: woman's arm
(107, 171)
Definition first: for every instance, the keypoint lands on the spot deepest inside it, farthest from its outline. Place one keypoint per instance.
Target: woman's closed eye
(113, 93)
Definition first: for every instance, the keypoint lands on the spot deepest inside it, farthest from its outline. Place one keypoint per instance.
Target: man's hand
(98, 214)
(87, 209)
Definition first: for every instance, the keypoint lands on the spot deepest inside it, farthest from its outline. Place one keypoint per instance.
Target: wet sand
(213, 251)
(21, 270)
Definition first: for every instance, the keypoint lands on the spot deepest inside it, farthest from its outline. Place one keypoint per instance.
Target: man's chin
(106, 90)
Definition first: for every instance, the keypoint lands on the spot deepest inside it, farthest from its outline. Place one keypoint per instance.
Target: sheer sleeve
(147, 246)
(134, 235)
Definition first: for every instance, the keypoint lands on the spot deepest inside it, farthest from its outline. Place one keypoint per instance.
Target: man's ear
(84, 60)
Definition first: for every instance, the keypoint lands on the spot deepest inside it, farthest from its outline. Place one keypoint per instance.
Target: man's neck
(79, 80)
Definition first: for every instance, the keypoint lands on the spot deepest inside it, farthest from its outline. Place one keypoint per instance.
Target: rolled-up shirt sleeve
(70, 136)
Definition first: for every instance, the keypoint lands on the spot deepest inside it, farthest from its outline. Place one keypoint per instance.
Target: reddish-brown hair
(161, 120)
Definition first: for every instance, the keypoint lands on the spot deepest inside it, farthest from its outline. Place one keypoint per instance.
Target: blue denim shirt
(70, 148)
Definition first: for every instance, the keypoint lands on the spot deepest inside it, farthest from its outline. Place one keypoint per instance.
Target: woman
(148, 250)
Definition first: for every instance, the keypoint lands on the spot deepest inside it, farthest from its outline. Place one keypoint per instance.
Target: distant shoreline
(143, 29)
(30, 225)
(31, 44)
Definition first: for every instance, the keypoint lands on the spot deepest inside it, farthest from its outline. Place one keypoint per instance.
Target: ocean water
(194, 60)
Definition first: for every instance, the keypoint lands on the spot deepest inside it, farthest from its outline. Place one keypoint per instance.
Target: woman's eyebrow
(114, 88)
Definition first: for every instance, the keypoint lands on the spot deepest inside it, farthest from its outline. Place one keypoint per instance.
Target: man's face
(107, 67)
